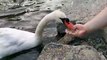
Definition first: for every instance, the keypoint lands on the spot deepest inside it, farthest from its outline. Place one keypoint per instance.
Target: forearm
(97, 22)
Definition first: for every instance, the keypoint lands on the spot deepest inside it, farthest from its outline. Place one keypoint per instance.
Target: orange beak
(69, 25)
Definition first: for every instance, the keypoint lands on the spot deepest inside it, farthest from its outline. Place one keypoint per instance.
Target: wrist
(87, 29)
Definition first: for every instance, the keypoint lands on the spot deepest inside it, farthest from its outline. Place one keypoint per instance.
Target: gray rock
(79, 10)
(83, 10)
(105, 34)
(66, 39)
(54, 51)
(12, 12)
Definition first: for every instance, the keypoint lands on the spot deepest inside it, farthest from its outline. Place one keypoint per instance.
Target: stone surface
(83, 10)
(105, 34)
(66, 39)
(79, 10)
(54, 51)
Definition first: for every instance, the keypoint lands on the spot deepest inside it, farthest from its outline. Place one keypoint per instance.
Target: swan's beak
(67, 23)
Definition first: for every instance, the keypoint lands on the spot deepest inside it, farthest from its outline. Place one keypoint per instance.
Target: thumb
(76, 27)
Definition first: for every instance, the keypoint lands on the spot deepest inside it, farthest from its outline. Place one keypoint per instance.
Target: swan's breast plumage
(13, 40)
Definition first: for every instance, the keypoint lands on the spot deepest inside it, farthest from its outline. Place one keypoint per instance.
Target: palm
(79, 30)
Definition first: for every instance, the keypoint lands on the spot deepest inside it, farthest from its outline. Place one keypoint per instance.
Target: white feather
(13, 40)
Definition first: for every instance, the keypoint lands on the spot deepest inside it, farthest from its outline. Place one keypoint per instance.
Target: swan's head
(59, 14)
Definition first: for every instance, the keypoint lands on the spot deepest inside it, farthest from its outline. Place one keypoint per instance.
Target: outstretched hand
(79, 31)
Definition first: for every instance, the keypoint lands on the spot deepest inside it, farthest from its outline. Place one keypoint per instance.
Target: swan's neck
(42, 25)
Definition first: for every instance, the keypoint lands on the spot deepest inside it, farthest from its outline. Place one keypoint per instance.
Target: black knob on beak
(65, 19)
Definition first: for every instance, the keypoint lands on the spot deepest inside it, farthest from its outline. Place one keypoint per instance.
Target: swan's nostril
(62, 4)
(48, 8)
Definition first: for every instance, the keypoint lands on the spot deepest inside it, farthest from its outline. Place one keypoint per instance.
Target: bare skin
(98, 22)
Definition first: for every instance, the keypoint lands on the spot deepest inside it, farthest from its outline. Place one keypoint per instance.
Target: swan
(13, 40)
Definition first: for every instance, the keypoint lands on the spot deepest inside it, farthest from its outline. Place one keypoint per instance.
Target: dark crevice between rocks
(12, 12)
(37, 50)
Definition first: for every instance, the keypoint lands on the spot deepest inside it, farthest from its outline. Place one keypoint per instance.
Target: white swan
(14, 40)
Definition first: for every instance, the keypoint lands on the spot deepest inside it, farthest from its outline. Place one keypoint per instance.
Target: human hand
(79, 30)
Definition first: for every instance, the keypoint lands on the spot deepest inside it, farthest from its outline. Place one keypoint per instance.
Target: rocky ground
(26, 14)
(55, 51)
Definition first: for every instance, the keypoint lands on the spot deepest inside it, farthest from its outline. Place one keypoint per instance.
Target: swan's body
(14, 40)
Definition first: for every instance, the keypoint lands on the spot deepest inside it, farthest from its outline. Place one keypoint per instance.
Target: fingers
(76, 33)
(68, 31)
(78, 30)
(71, 32)
(79, 33)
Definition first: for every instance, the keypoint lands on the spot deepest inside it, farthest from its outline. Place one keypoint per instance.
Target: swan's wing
(12, 37)
(13, 40)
